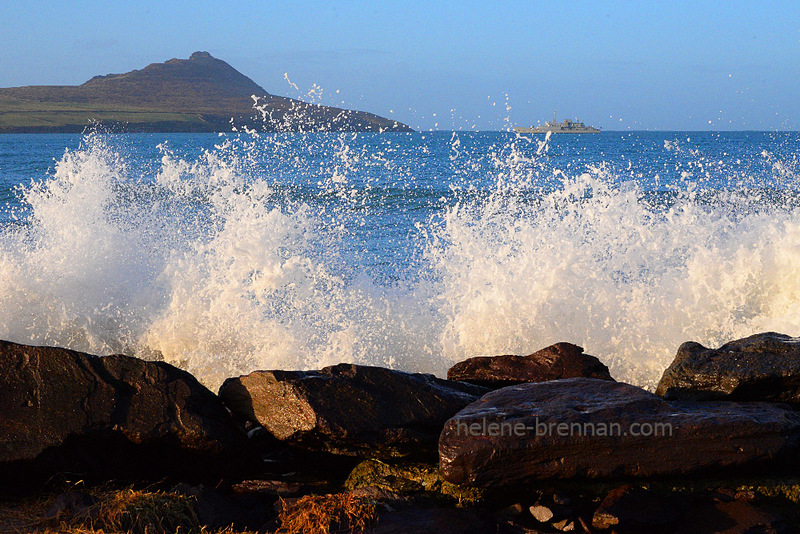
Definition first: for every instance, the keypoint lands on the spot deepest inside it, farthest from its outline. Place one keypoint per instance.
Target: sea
(227, 253)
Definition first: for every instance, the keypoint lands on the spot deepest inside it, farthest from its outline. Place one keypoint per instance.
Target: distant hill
(199, 94)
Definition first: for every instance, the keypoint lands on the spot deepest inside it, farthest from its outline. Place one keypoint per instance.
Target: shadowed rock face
(62, 410)
(350, 409)
(762, 367)
(632, 507)
(649, 436)
(562, 360)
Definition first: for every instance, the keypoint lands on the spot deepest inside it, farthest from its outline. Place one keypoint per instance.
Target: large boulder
(114, 416)
(582, 427)
(762, 367)
(348, 409)
(562, 360)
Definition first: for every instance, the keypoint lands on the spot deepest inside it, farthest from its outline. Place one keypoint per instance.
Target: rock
(562, 360)
(740, 517)
(407, 477)
(217, 511)
(514, 527)
(735, 517)
(390, 500)
(565, 525)
(582, 427)
(547, 510)
(272, 488)
(541, 513)
(561, 499)
(513, 510)
(724, 495)
(350, 409)
(433, 521)
(112, 416)
(762, 367)
(71, 504)
(631, 507)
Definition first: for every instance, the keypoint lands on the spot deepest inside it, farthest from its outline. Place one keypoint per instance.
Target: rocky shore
(543, 443)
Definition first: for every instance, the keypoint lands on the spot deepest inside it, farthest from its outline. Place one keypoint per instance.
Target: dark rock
(512, 510)
(582, 427)
(762, 367)
(562, 360)
(433, 521)
(508, 526)
(745, 495)
(561, 499)
(350, 409)
(272, 488)
(724, 495)
(216, 510)
(112, 416)
(584, 525)
(70, 505)
(631, 508)
(736, 517)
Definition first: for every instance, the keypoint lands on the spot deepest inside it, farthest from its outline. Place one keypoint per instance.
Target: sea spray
(593, 264)
(77, 272)
(406, 250)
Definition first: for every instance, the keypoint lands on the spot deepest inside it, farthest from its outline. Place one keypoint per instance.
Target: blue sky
(678, 65)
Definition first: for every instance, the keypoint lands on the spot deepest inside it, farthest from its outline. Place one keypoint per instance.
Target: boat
(566, 126)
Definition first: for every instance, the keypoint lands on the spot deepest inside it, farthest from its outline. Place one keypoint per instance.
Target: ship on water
(566, 126)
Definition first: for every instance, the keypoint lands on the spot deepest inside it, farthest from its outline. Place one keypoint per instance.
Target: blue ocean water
(227, 253)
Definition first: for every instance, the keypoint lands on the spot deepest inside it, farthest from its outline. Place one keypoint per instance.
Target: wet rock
(350, 409)
(582, 427)
(762, 367)
(562, 360)
(112, 416)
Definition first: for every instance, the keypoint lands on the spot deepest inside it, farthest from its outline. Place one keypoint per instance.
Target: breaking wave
(289, 251)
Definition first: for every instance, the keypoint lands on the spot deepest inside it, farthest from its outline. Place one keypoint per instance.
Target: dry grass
(141, 512)
(327, 514)
(125, 511)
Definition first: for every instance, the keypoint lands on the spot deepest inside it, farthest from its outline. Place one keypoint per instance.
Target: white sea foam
(209, 267)
(593, 265)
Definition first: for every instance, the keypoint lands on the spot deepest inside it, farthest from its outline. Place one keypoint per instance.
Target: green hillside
(199, 94)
